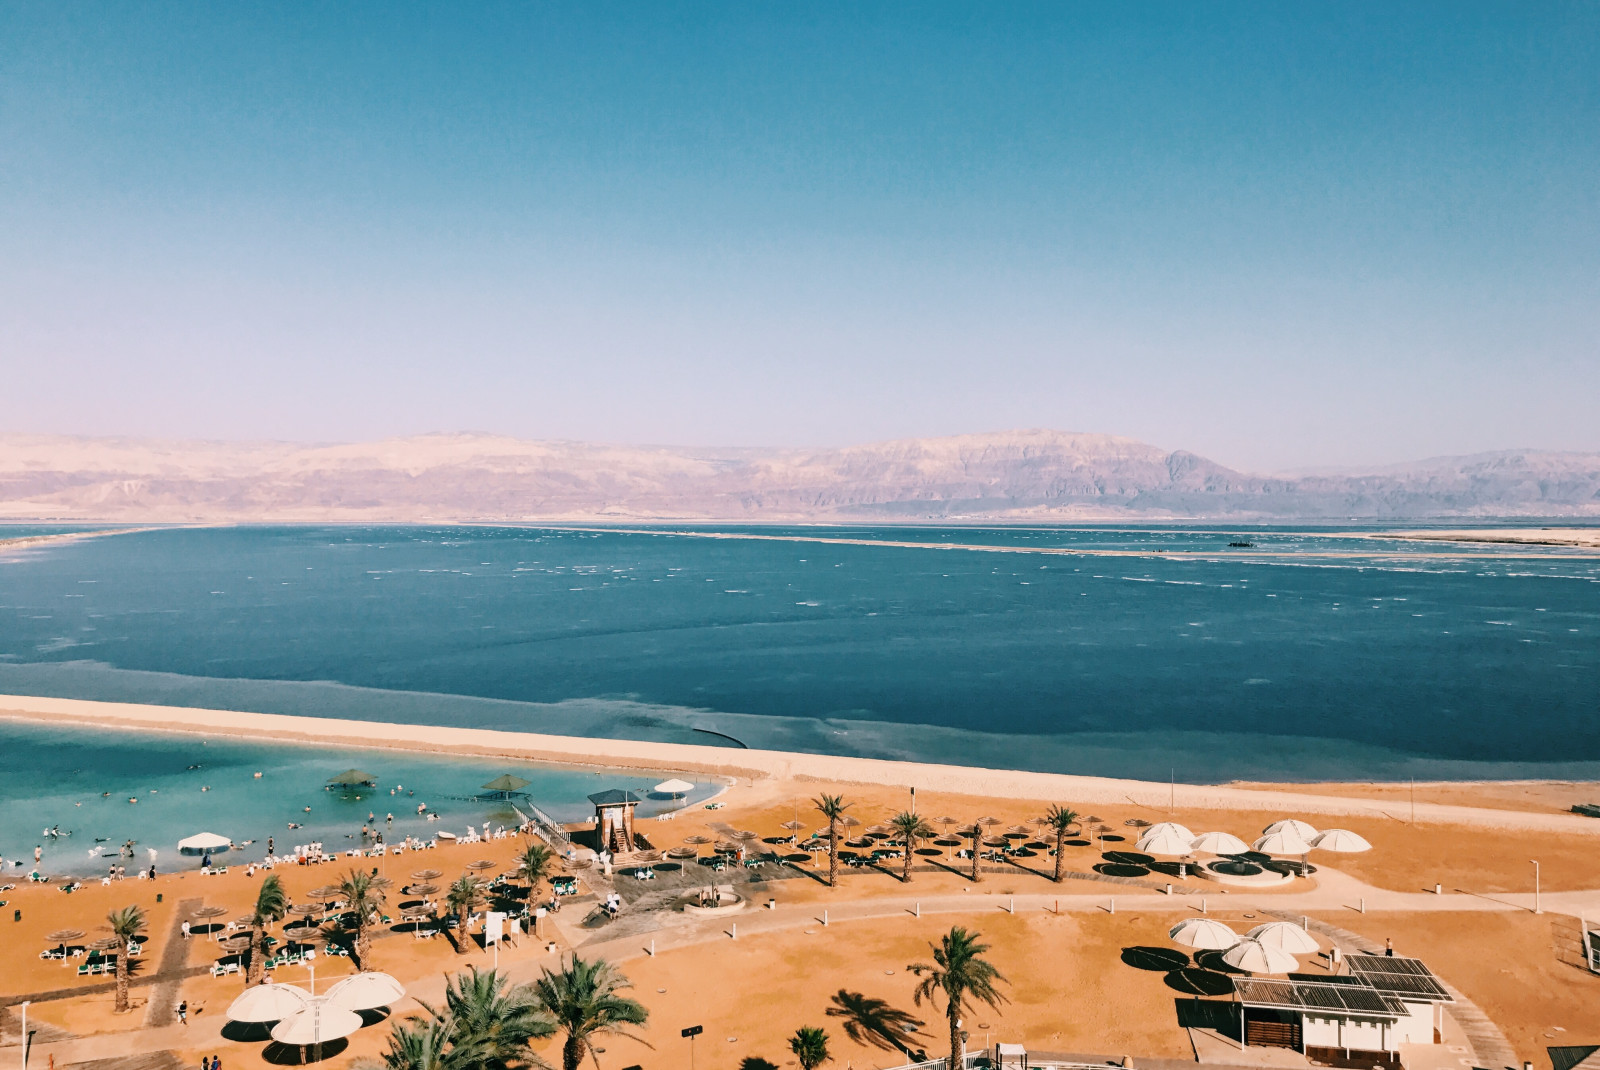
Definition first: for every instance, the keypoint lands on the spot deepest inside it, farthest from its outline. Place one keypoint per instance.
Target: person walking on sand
(186, 928)
(183, 1012)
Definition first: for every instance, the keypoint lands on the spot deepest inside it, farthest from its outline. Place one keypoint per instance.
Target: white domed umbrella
(1282, 842)
(1253, 956)
(1203, 934)
(1168, 826)
(1285, 936)
(268, 1003)
(1219, 843)
(674, 787)
(1164, 842)
(366, 991)
(1299, 828)
(317, 1023)
(1341, 841)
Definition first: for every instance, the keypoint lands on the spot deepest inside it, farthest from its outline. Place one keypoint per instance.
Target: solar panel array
(1399, 976)
(1316, 997)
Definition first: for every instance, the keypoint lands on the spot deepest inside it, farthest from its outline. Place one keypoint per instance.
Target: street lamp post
(1536, 909)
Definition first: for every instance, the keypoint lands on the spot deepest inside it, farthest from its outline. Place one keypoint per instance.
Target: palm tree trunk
(956, 1050)
(906, 875)
(122, 980)
(1061, 834)
(833, 854)
(252, 975)
(977, 837)
(572, 1052)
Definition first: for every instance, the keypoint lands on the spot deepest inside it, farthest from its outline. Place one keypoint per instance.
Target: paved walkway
(160, 1009)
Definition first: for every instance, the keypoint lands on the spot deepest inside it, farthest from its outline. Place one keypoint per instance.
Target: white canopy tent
(1253, 956)
(1341, 841)
(317, 1023)
(1203, 934)
(1219, 843)
(1168, 826)
(1286, 936)
(366, 991)
(202, 842)
(268, 1003)
(1282, 842)
(1164, 842)
(1291, 824)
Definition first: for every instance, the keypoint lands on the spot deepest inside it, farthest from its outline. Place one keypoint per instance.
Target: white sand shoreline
(749, 764)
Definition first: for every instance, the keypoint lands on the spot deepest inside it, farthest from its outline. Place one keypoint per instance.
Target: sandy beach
(1090, 968)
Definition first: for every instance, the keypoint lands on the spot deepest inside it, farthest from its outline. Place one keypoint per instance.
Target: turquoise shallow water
(84, 783)
(1209, 667)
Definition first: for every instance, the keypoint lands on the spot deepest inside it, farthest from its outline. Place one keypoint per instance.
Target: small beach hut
(613, 811)
(352, 778)
(505, 784)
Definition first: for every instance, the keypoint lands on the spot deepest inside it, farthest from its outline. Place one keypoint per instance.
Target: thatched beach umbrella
(427, 875)
(794, 826)
(745, 836)
(683, 852)
(698, 841)
(352, 778)
(206, 914)
(422, 889)
(480, 865)
(63, 937)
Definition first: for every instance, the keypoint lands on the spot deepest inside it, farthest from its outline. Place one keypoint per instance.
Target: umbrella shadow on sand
(1199, 981)
(247, 1032)
(1154, 959)
(289, 1054)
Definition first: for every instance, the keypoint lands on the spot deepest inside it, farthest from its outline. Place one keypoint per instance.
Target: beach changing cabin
(613, 819)
(1360, 1018)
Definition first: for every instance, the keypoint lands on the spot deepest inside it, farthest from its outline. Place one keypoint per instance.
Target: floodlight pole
(24, 1035)
(1536, 908)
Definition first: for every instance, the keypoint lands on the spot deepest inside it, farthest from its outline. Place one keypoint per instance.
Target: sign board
(694, 1030)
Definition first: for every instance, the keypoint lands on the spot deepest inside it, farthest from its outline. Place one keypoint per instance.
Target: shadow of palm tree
(756, 1062)
(868, 1020)
(1154, 959)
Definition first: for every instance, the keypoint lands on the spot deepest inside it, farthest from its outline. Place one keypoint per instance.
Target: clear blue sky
(1277, 234)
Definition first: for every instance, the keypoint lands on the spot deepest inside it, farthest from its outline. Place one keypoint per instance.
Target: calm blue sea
(1215, 666)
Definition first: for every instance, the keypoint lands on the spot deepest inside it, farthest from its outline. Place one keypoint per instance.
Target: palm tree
(364, 897)
(127, 925)
(832, 807)
(423, 1045)
(873, 1021)
(464, 896)
(583, 1000)
(977, 837)
(911, 828)
(1060, 819)
(493, 1021)
(810, 1046)
(272, 904)
(536, 862)
(962, 976)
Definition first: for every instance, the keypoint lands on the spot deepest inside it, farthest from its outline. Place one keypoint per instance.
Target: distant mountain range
(1011, 475)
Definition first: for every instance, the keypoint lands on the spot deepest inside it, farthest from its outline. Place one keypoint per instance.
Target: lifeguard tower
(613, 814)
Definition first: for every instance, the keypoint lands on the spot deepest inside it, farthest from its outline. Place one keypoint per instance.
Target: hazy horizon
(1279, 238)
